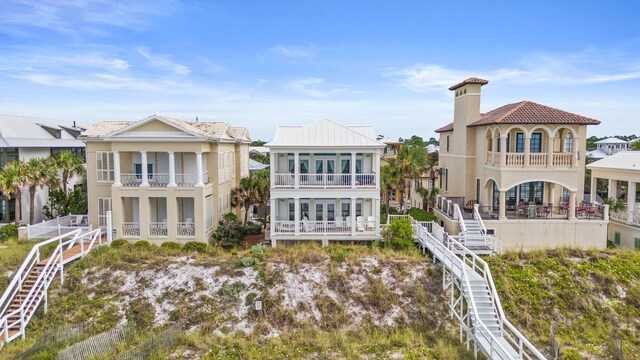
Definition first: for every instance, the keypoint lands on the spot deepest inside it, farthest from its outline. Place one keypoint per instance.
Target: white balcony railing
(186, 229)
(158, 180)
(131, 229)
(162, 179)
(538, 159)
(158, 229)
(515, 159)
(325, 180)
(562, 159)
(365, 225)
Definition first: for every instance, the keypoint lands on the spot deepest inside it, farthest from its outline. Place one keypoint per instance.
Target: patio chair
(306, 226)
(371, 222)
(360, 224)
(469, 206)
(77, 221)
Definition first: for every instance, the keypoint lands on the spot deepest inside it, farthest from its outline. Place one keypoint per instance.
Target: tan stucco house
(523, 166)
(164, 179)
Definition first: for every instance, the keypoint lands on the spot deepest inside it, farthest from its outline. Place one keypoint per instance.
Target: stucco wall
(627, 233)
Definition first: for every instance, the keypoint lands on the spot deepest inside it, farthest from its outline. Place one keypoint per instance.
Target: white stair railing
(13, 322)
(490, 241)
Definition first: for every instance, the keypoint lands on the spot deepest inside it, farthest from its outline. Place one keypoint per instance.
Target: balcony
(287, 180)
(362, 226)
(535, 160)
(186, 229)
(159, 180)
(131, 229)
(158, 229)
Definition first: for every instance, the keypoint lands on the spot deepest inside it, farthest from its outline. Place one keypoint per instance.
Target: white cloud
(162, 61)
(316, 87)
(573, 69)
(295, 52)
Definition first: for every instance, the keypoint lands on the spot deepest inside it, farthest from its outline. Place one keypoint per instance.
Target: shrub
(259, 249)
(195, 246)
(229, 232)
(171, 245)
(421, 215)
(142, 244)
(120, 243)
(8, 231)
(398, 235)
(253, 229)
(249, 261)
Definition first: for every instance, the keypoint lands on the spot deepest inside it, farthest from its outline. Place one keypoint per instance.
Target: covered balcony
(315, 216)
(518, 147)
(325, 170)
(162, 169)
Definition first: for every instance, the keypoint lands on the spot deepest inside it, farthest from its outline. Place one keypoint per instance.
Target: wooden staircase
(28, 289)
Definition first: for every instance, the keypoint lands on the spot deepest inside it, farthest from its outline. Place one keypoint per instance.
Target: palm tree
(428, 197)
(261, 182)
(391, 178)
(243, 195)
(12, 179)
(69, 166)
(412, 163)
(39, 172)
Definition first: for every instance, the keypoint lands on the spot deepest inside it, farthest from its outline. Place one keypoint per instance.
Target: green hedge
(8, 231)
(120, 243)
(143, 244)
(171, 245)
(421, 215)
(195, 246)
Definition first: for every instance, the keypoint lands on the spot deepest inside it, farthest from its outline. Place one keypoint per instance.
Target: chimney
(467, 101)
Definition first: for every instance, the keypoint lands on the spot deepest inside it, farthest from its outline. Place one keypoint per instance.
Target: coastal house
(518, 171)
(609, 146)
(163, 178)
(325, 183)
(24, 138)
(622, 170)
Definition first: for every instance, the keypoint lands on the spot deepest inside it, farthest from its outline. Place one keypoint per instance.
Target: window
(292, 211)
(446, 179)
(448, 143)
(292, 166)
(358, 209)
(104, 205)
(636, 243)
(536, 142)
(345, 165)
(568, 143)
(104, 166)
(478, 190)
(358, 166)
(209, 212)
(304, 166)
(520, 142)
(441, 180)
(345, 209)
(616, 238)
(8, 155)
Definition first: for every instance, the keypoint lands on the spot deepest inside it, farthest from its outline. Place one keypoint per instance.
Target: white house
(325, 182)
(25, 138)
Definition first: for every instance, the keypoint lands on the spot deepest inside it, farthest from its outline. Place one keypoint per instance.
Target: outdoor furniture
(521, 210)
(308, 227)
(360, 224)
(469, 206)
(371, 222)
(531, 212)
(77, 221)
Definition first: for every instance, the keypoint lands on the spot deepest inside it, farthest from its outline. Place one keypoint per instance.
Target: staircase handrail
(485, 272)
(478, 218)
(463, 226)
(448, 251)
(30, 257)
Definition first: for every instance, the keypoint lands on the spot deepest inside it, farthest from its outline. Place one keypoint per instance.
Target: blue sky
(264, 63)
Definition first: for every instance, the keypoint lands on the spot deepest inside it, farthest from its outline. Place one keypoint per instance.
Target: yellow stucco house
(518, 171)
(164, 179)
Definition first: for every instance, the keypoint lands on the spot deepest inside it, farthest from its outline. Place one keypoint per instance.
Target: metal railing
(157, 229)
(186, 229)
(13, 322)
(131, 229)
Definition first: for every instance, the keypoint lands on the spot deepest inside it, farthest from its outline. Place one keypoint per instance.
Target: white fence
(58, 226)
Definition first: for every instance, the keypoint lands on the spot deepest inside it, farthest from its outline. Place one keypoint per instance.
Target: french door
(325, 210)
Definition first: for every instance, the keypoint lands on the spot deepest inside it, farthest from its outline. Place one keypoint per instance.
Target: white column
(592, 193)
(296, 215)
(172, 169)
(145, 172)
(353, 170)
(377, 214)
(376, 168)
(631, 201)
(503, 205)
(550, 151)
(527, 150)
(503, 150)
(572, 205)
(353, 216)
(612, 191)
(116, 168)
(272, 219)
(296, 169)
(199, 181)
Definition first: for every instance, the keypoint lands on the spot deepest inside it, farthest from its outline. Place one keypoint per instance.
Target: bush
(195, 246)
(142, 244)
(398, 235)
(249, 261)
(120, 243)
(421, 215)
(259, 249)
(253, 229)
(171, 245)
(229, 232)
(8, 231)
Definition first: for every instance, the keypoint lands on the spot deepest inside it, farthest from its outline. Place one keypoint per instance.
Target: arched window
(568, 143)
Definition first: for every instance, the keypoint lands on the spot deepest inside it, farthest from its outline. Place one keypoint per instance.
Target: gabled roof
(324, 133)
(241, 133)
(23, 131)
(448, 127)
(202, 129)
(256, 165)
(612, 140)
(528, 112)
(596, 154)
(623, 160)
(471, 80)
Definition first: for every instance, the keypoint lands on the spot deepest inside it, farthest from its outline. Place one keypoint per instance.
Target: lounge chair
(371, 222)
(307, 227)
(77, 221)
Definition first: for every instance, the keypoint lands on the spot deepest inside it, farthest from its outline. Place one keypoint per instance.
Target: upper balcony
(162, 169)
(531, 148)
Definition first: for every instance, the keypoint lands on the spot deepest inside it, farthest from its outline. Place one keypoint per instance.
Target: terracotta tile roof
(527, 112)
(448, 127)
(471, 80)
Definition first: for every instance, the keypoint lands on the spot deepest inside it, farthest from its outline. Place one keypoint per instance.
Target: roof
(528, 112)
(324, 133)
(207, 129)
(471, 80)
(624, 160)
(259, 149)
(256, 165)
(612, 140)
(448, 127)
(596, 154)
(23, 131)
